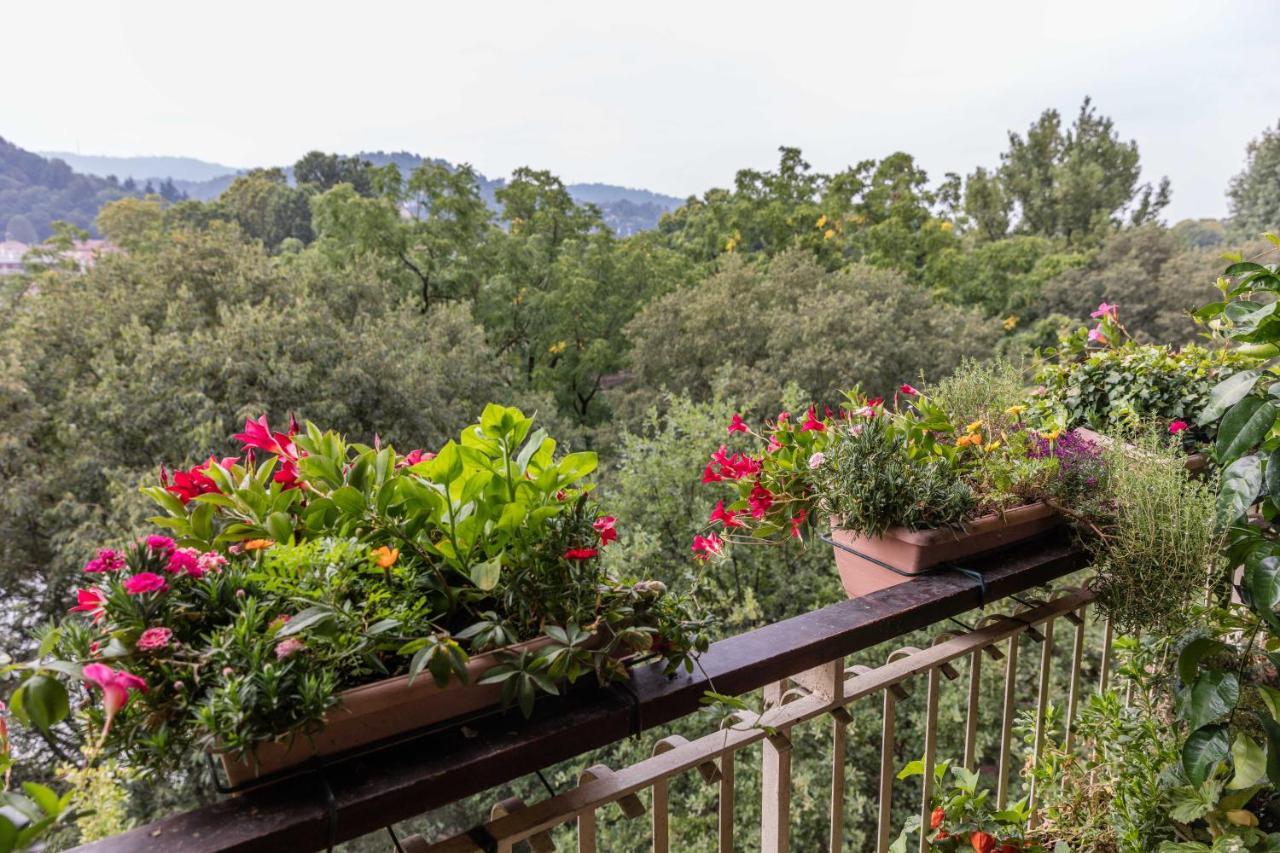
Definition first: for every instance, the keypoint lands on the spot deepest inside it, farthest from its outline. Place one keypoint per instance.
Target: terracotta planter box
(375, 712)
(1195, 462)
(914, 552)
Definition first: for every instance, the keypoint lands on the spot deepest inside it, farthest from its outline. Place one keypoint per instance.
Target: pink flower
(1096, 335)
(816, 460)
(727, 517)
(160, 544)
(783, 417)
(812, 423)
(413, 457)
(144, 582)
(1177, 427)
(774, 444)
(759, 500)
(106, 560)
(191, 483)
(705, 546)
(184, 561)
(580, 553)
(90, 601)
(1105, 310)
(738, 424)
(909, 390)
(209, 561)
(258, 435)
(154, 638)
(605, 526)
(287, 647)
(116, 688)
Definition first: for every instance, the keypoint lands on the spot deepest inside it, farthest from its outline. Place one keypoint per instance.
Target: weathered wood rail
(353, 796)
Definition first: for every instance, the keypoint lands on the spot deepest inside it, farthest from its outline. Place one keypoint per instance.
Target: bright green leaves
(441, 656)
(1262, 583)
(41, 701)
(26, 817)
(485, 574)
(1241, 485)
(1211, 696)
(1250, 763)
(1194, 652)
(1243, 427)
(1203, 750)
(1226, 394)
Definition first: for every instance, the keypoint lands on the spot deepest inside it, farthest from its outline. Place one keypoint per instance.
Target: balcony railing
(799, 664)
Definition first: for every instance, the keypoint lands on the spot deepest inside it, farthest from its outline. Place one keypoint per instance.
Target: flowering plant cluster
(964, 820)
(1119, 385)
(872, 466)
(307, 565)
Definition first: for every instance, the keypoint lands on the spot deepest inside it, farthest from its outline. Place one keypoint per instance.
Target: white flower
(816, 459)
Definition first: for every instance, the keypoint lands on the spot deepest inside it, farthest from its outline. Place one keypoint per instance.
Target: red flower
(774, 444)
(605, 526)
(797, 521)
(783, 417)
(705, 546)
(727, 517)
(909, 390)
(733, 466)
(812, 423)
(1177, 427)
(90, 601)
(709, 474)
(106, 560)
(161, 544)
(759, 500)
(184, 561)
(580, 553)
(982, 842)
(738, 424)
(144, 582)
(191, 484)
(935, 820)
(413, 457)
(1008, 847)
(257, 434)
(875, 401)
(287, 476)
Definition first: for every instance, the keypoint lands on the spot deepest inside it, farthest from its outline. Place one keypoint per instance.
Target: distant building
(85, 253)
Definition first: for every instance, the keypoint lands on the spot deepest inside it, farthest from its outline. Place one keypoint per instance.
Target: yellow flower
(822, 220)
(558, 347)
(1052, 435)
(1015, 410)
(946, 226)
(973, 427)
(730, 245)
(995, 445)
(1242, 817)
(257, 544)
(830, 232)
(972, 440)
(385, 557)
(1010, 323)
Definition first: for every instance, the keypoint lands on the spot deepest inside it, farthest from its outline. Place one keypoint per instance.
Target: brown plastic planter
(1195, 462)
(378, 711)
(914, 552)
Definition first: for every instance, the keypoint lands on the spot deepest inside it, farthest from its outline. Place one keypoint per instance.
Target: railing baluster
(1042, 704)
(930, 750)
(840, 720)
(775, 786)
(1104, 676)
(661, 830)
(1006, 721)
(884, 827)
(1077, 660)
(971, 713)
(726, 802)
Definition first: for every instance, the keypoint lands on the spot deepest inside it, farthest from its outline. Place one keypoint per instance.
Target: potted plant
(1110, 388)
(904, 488)
(316, 596)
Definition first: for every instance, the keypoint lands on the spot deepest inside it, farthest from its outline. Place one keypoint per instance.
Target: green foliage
(42, 192)
(1254, 194)
(963, 815)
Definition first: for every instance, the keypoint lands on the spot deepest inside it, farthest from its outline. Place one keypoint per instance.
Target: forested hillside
(319, 297)
(34, 192)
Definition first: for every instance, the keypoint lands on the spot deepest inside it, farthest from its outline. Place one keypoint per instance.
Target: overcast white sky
(673, 97)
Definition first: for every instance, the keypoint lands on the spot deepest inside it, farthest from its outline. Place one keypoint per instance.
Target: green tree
(20, 228)
(132, 222)
(266, 208)
(319, 171)
(1253, 196)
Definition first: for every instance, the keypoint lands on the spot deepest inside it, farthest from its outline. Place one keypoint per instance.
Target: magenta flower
(90, 601)
(116, 688)
(705, 546)
(153, 639)
(606, 526)
(210, 561)
(774, 444)
(1106, 310)
(727, 517)
(258, 435)
(759, 500)
(909, 390)
(106, 560)
(160, 544)
(797, 521)
(184, 561)
(1177, 427)
(144, 582)
(811, 422)
(580, 554)
(288, 647)
(413, 457)
(1096, 335)
(738, 424)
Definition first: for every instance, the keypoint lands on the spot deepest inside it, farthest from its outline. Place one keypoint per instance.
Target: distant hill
(35, 191)
(625, 210)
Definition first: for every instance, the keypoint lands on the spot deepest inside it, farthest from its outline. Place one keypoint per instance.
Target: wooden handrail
(374, 789)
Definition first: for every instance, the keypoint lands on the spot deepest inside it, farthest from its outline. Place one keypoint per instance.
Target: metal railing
(819, 695)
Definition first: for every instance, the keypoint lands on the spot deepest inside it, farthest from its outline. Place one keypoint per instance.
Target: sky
(673, 97)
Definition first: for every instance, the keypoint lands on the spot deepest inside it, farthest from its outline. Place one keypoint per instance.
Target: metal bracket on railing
(945, 667)
(630, 804)
(708, 770)
(991, 618)
(540, 842)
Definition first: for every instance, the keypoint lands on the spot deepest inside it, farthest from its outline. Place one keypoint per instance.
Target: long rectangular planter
(914, 552)
(1195, 462)
(375, 712)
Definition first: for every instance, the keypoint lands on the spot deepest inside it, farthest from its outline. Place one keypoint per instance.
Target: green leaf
(1226, 394)
(1241, 483)
(1245, 426)
(43, 797)
(1262, 581)
(45, 702)
(349, 500)
(1194, 652)
(485, 575)
(912, 768)
(1204, 748)
(280, 527)
(308, 618)
(1250, 763)
(1272, 730)
(1213, 695)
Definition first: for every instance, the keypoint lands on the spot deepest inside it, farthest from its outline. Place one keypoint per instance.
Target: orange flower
(257, 544)
(982, 842)
(935, 819)
(385, 557)
(973, 440)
